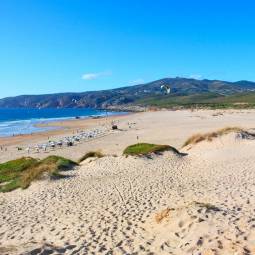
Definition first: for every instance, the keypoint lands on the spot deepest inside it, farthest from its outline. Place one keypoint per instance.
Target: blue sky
(51, 46)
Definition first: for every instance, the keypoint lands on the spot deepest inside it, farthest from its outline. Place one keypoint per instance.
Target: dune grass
(12, 169)
(91, 154)
(143, 149)
(211, 135)
(21, 172)
(160, 216)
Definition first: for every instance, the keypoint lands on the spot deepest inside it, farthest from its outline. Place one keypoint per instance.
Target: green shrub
(143, 149)
(21, 172)
(12, 169)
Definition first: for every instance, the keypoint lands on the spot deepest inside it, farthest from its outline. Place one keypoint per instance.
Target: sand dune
(111, 205)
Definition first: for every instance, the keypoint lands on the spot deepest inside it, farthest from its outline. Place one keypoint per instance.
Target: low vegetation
(206, 100)
(21, 172)
(144, 149)
(91, 154)
(160, 216)
(10, 169)
(211, 135)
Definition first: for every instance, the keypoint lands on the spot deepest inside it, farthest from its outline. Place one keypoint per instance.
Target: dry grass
(211, 135)
(34, 173)
(51, 166)
(160, 216)
(91, 154)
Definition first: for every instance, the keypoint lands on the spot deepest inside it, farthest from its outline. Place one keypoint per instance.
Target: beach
(200, 201)
(63, 128)
(162, 127)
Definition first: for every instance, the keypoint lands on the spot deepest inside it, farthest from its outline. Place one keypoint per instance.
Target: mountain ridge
(128, 94)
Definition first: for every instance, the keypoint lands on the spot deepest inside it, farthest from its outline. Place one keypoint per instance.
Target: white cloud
(137, 81)
(93, 76)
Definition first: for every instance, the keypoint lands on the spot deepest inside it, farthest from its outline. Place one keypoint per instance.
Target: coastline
(20, 121)
(62, 127)
(65, 128)
(165, 126)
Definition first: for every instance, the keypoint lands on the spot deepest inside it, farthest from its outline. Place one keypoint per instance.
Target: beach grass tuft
(144, 149)
(11, 171)
(91, 154)
(21, 172)
(160, 216)
(194, 139)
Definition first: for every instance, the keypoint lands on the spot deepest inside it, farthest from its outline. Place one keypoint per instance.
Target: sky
(49, 46)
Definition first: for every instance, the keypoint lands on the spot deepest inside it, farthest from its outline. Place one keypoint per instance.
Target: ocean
(22, 121)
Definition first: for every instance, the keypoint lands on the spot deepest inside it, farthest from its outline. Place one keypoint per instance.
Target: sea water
(24, 121)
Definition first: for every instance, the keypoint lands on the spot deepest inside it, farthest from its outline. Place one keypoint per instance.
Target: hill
(202, 100)
(183, 91)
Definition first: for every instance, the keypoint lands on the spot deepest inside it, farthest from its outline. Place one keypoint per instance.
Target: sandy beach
(200, 203)
(63, 129)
